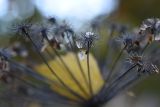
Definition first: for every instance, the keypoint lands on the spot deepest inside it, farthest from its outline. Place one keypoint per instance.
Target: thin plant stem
(117, 80)
(78, 62)
(146, 46)
(38, 88)
(123, 87)
(68, 70)
(89, 73)
(31, 73)
(123, 74)
(114, 64)
(52, 71)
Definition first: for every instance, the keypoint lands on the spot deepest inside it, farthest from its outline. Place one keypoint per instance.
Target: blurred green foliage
(134, 11)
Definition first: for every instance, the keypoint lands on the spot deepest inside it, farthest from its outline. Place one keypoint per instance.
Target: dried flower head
(148, 68)
(131, 42)
(87, 40)
(151, 28)
(151, 25)
(21, 28)
(135, 59)
(61, 74)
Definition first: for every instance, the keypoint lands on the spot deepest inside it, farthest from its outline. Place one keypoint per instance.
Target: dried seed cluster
(53, 40)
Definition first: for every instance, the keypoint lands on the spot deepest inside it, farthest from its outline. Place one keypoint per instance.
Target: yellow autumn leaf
(74, 67)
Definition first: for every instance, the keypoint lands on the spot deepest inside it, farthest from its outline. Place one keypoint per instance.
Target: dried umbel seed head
(151, 25)
(131, 43)
(49, 38)
(21, 28)
(70, 77)
(86, 40)
(60, 30)
(135, 59)
(148, 68)
(151, 28)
